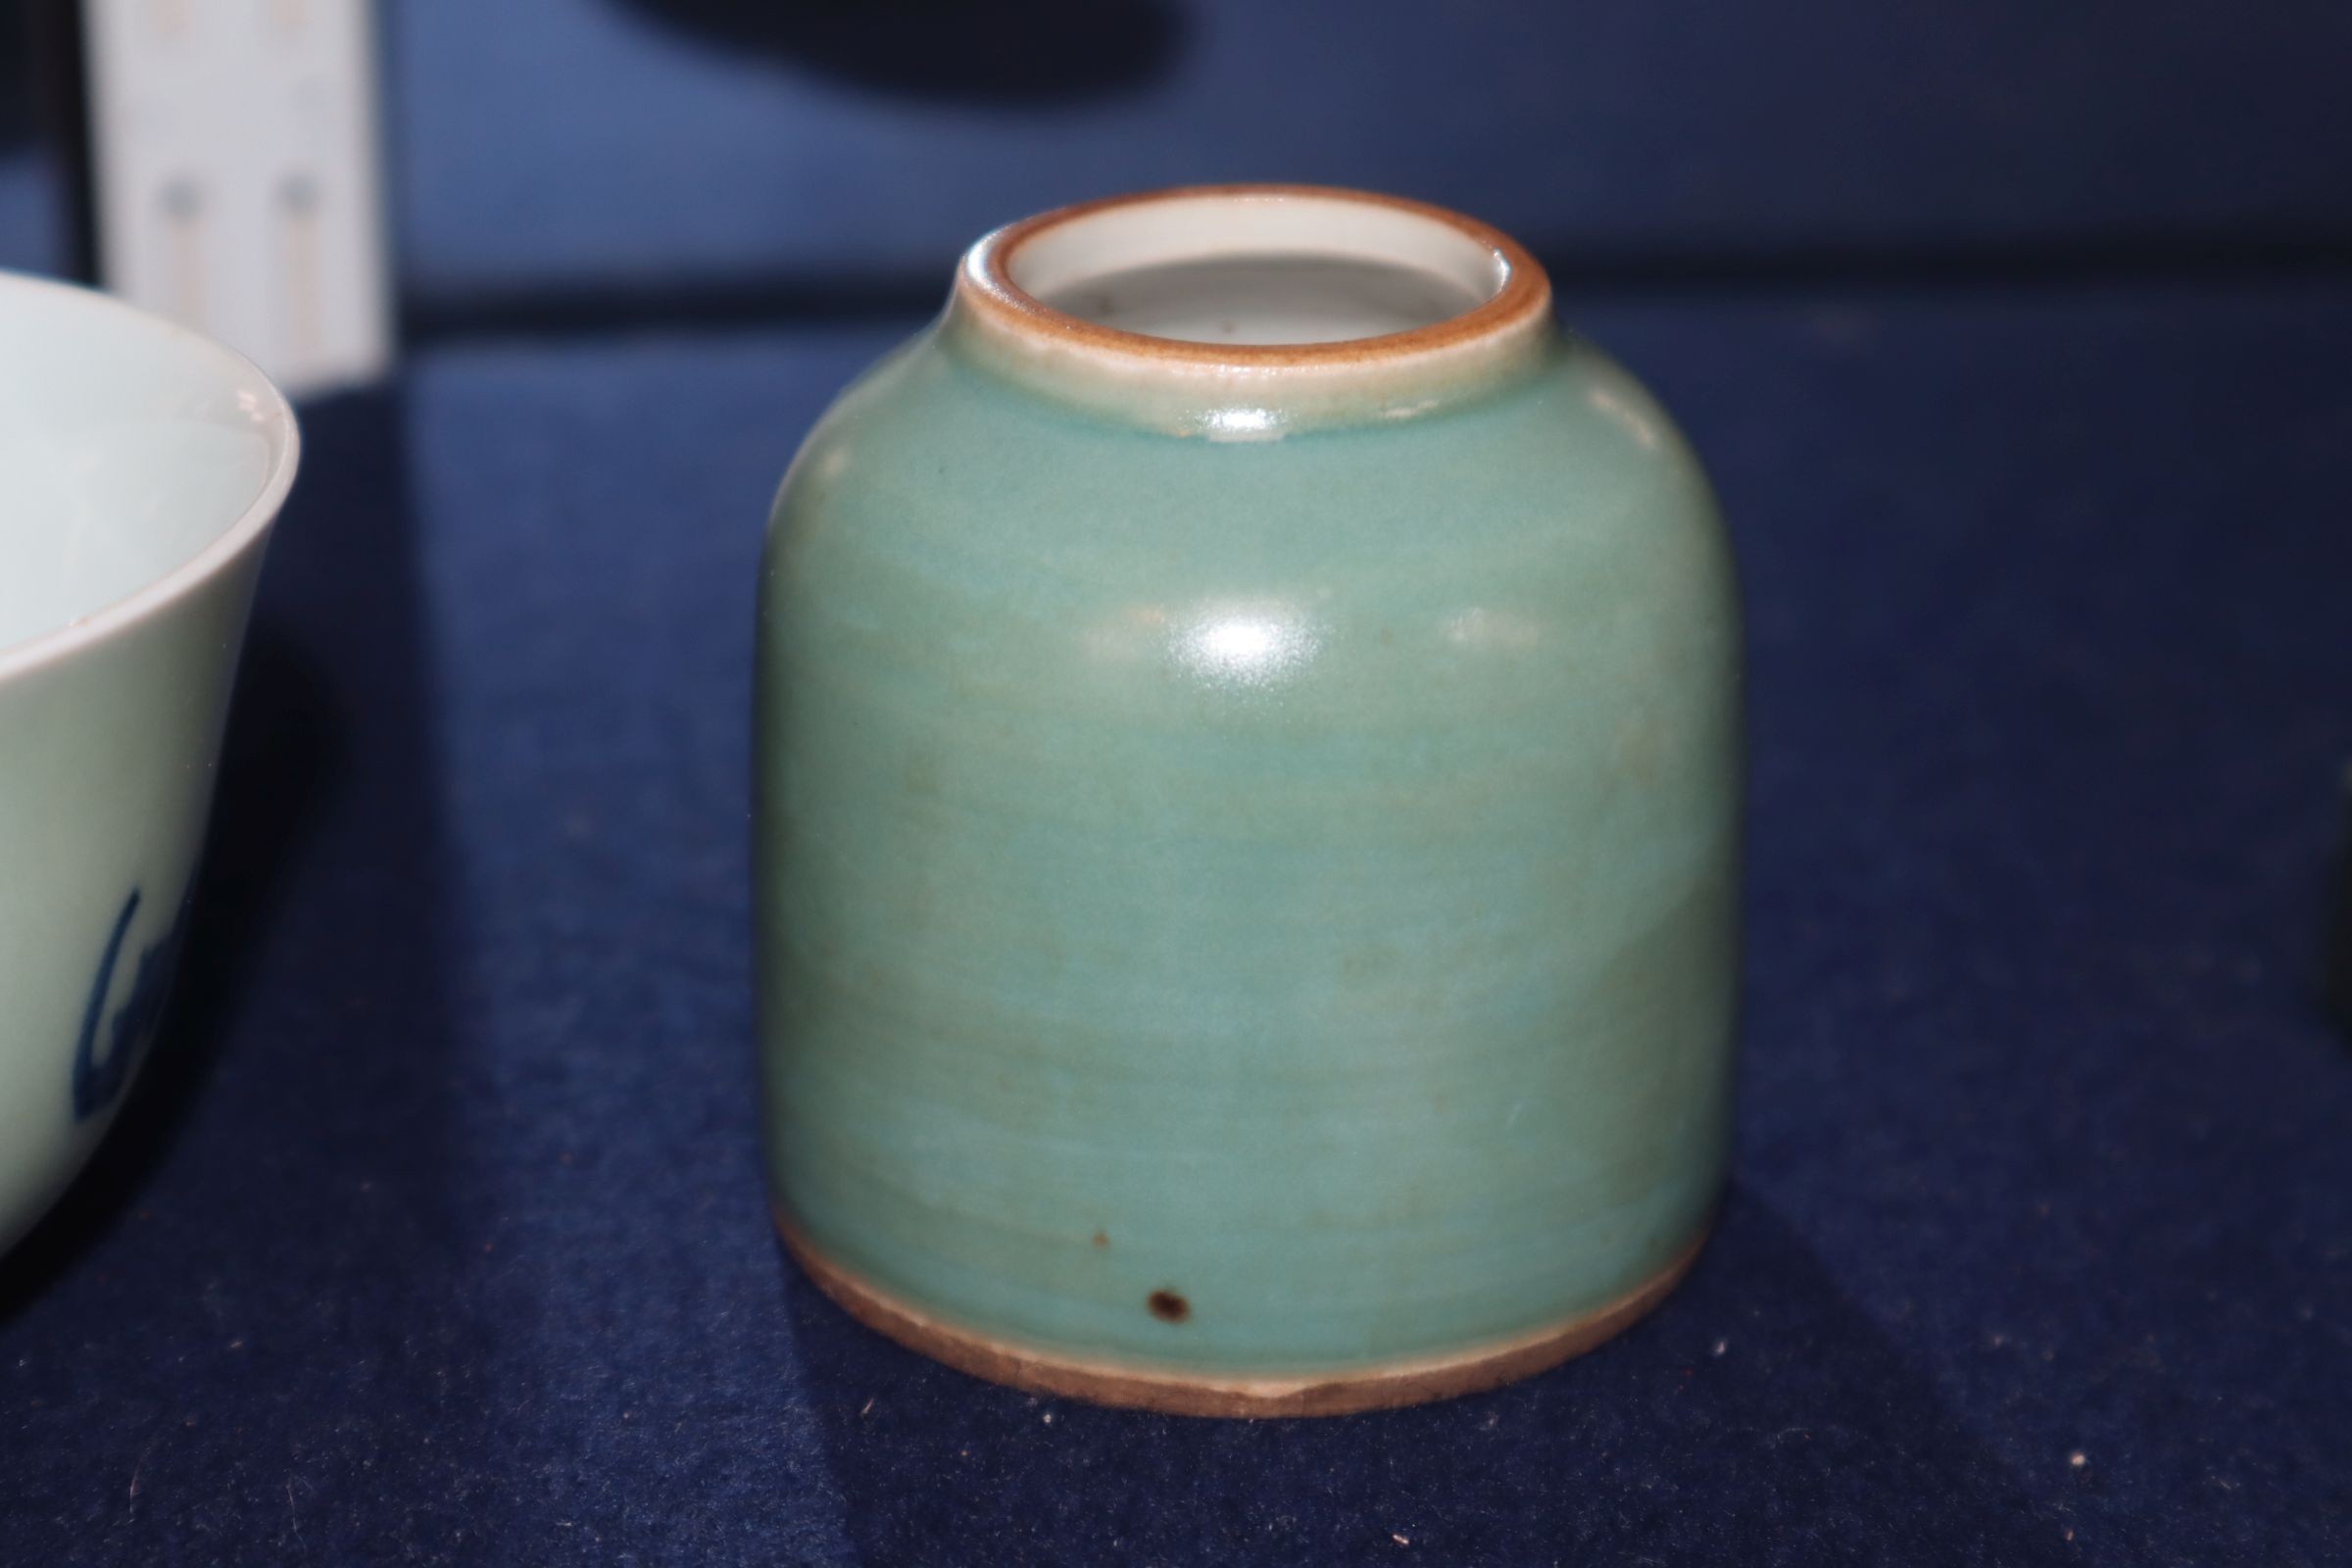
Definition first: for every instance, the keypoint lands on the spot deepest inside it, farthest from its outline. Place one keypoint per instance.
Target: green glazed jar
(1247, 734)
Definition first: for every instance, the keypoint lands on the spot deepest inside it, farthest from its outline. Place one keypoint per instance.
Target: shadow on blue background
(1662, 1446)
(284, 754)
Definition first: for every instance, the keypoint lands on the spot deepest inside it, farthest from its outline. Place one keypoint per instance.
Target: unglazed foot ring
(1378, 1387)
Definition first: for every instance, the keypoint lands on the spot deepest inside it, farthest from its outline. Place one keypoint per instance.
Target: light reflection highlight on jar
(1242, 424)
(1482, 627)
(1623, 414)
(1252, 647)
(833, 462)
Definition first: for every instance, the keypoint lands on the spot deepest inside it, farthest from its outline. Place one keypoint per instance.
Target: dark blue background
(2018, 341)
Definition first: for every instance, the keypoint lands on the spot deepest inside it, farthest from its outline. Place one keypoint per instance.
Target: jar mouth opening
(1255, 277)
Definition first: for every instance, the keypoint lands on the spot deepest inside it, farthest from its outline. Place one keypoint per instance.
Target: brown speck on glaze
(1101, 1239)
(1168, 1307)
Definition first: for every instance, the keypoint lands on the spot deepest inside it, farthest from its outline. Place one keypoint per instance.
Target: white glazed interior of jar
(1240, 268)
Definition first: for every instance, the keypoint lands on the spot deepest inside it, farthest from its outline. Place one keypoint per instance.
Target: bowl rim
(278, 426)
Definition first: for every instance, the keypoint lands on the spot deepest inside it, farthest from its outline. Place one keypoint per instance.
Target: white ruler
(233, 147)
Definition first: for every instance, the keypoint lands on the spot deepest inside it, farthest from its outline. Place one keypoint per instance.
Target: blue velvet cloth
(435, 1230)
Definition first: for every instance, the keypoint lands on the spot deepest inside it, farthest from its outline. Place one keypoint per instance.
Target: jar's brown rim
(985, 285)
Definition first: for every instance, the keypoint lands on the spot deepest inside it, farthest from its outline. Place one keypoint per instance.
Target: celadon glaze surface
(140, 469)
(1246, 907)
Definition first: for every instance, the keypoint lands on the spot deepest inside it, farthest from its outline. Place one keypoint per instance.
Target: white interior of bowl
(129, 449)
